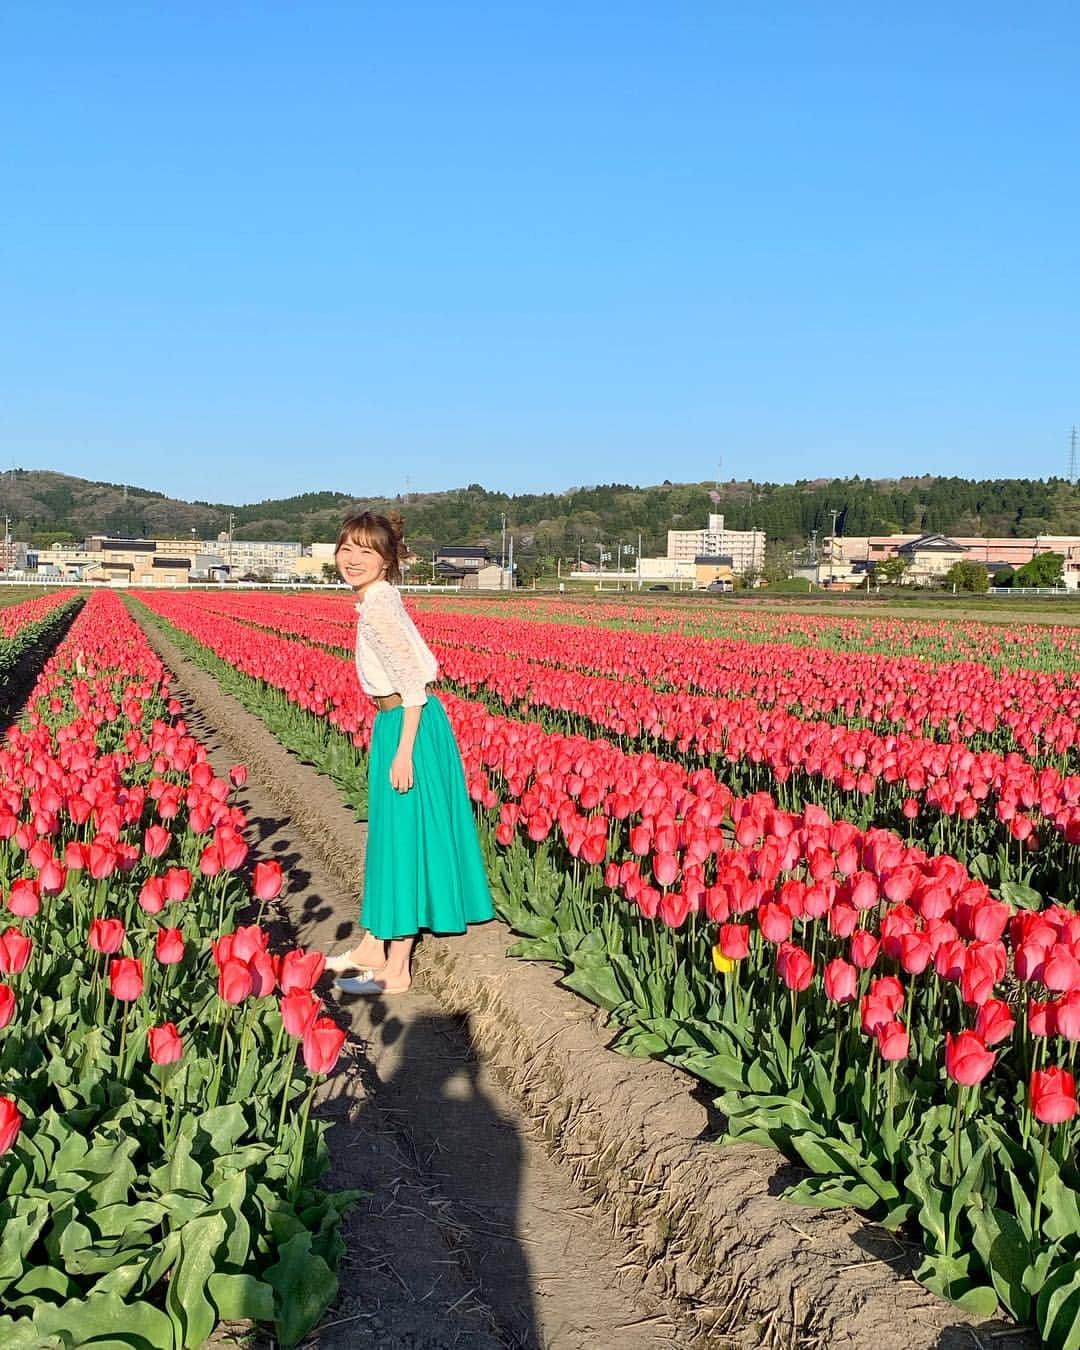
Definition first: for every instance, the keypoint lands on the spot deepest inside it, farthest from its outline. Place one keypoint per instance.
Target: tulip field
(826, 866)
(158, 1164)
(828, 872)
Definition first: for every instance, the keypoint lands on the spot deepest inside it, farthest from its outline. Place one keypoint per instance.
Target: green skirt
(423, 869)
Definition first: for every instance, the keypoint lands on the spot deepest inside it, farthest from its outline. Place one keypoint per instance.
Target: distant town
(713, 558)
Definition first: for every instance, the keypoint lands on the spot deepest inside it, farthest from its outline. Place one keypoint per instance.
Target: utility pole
(832, 545)
(230, 539)
(511, 562)
(639, 560)
(502, 561)
(1072, 457)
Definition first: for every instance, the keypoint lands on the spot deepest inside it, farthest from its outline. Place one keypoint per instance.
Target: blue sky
(250, 250)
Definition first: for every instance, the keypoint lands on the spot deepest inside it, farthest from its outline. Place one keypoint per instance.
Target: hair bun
(397, 525)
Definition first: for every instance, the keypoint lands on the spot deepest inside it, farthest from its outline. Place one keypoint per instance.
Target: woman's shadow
(466, 1154)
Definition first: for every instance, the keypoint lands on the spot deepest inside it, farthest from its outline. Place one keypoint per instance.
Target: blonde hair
(384, 534)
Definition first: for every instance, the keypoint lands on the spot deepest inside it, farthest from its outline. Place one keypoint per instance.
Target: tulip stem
(1037, 1208)
(164, 1117)
(123, 1039)
(285, 1089)
(298, 1152)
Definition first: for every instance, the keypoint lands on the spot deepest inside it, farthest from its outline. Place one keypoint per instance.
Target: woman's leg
(396, 974)
(369, 953)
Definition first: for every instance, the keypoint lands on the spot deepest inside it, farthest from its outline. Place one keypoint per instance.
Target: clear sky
(248, 250)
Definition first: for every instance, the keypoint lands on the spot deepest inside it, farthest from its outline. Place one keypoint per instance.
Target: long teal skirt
(423, 869)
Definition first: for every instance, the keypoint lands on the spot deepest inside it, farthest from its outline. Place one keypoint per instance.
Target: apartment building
(745, 548)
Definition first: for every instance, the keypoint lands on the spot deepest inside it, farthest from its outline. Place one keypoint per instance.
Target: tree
(967, 576)
(891, 571)
(1045, 569)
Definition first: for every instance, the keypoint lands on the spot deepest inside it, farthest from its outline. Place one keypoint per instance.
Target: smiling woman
(423, 868)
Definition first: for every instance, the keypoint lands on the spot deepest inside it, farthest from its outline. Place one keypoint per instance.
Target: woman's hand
(401, 772)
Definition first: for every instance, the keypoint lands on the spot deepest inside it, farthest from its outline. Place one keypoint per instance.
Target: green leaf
(1023, 897)
(187, 1303)
(304, 1287)
(19, 1235)
(223, 1126)
(1057, 1309)
(923, 1185)
(105, 1320)
(1062, 1217)
(832, 1193)
(598, 984)
(1003, 1246)
(237, 1297)
(41, 1280)
(951, 1278)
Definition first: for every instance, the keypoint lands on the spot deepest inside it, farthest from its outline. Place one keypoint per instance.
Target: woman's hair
(385, 534)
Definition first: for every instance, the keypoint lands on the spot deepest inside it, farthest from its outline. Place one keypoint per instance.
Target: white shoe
(368, 986)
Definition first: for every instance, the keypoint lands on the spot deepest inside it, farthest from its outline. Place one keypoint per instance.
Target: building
(489, 578)
(714, 569)
(165, 571)
(994, 552)
(929, 557)
(678, 572)
(462, 558)
(745, 548)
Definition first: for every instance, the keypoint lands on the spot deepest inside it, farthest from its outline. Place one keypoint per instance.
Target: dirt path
(471, 1236)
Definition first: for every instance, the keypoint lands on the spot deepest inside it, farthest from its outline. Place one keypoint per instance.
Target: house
(166, 572)
(929, 557)
(714, 569)
(489, 578)
(461, 558)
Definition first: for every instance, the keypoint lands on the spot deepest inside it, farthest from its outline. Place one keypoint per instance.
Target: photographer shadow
(459, 1153)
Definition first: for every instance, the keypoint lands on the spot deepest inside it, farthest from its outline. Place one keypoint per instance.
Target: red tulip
(103, 858)
(841, 981)
(264, 974)
(299, 1008)
(734, 941)
(52, 878)
(7, 1005)
(15, 949)
(169, 946)
(235, 982)
(774, 922)
(1061, 971)
(23, 900)
(1067, 1016)
(125, 978)
(1040, 1018)
(1052, 1095)
(165, 1045)
(864, 949)
(248, 941)
(322, 1045)
(152, 895)
(106, 935)
(177, 883)
(10, 1123)
(794, 967)
(156, 841)
(967, 1059)
(238, 775)
(266, 880)
(892, 1039)
(301, 969)
(994, 1022)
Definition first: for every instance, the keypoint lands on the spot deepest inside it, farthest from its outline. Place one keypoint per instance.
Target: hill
(44, 505)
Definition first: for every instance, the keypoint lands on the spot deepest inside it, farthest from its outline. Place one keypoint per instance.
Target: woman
(423, 870)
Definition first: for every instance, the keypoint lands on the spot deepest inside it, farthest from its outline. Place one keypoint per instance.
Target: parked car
(660, 587)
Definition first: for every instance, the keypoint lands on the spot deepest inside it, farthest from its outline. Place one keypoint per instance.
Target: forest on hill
(43, 505)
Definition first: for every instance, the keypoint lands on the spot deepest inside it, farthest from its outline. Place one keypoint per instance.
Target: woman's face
(359, 564)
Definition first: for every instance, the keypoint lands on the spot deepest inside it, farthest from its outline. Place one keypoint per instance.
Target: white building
(745, 548)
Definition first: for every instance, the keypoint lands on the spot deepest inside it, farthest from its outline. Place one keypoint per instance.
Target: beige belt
(384, 702)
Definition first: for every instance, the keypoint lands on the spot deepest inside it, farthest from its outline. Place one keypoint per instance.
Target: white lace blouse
(391, 656)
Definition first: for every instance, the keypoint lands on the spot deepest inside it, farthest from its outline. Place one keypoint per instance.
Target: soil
(527, 1187)
(470, 1234)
